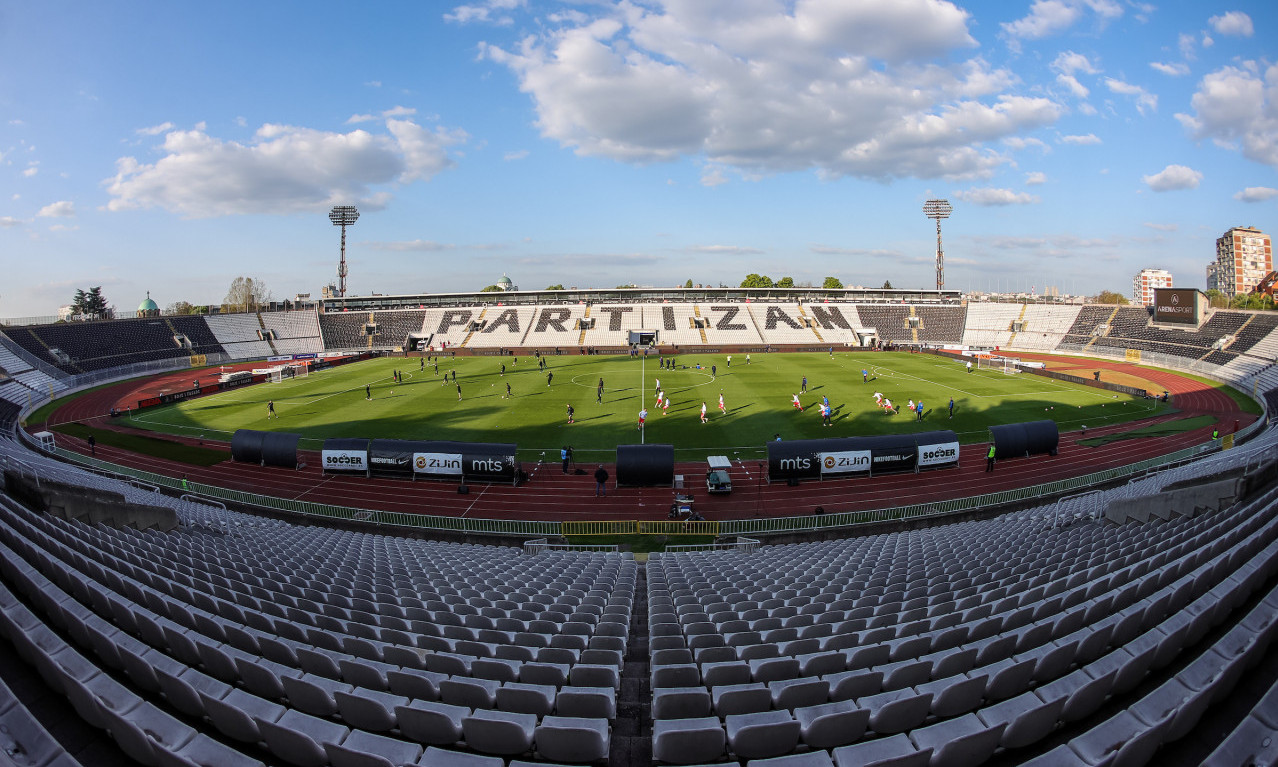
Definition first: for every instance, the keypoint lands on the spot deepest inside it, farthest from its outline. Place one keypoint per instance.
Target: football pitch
(757, 402)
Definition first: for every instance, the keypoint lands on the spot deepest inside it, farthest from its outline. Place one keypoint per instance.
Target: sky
(171, 147)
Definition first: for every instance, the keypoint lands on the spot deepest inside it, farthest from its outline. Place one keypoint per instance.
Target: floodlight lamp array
(937, 209)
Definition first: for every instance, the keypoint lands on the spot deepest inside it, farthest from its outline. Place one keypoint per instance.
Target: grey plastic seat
(1026, 719)
(808, 759)
(300, 738)
(896, 710)
(236, 714)
(955, 695)
(503, 733)
(832, 724)
(680, 702)
(314, 694)
(688, 741)
(789, 694)
(523, 698)
(762, 735)
(958, 742)
(472, 693)
(363, 749)
(746, 698)
(714, 674)
(679, 675)
(553, 674)
(895, 751)
(846, 685)
(370, 710)
(572, 739)
(430, 722)
(587, 702)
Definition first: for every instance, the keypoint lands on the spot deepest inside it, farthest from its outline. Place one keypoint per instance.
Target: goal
(277, 375)
(1005, 365)
(301, 370)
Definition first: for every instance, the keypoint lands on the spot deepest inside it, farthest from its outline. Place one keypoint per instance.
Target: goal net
(1005, 365)
(301, 371)
(277, 375)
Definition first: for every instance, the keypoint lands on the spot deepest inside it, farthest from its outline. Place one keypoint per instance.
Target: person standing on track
(93, 445)
(989, 459)
(601, 481)
(563, 457)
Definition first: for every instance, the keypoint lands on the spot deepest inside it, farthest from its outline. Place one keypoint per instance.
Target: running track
(552, 495)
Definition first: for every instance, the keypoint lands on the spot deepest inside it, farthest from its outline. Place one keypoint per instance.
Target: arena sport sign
(1178, 305)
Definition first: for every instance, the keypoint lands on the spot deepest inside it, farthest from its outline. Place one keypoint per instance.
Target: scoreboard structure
(1179, 306)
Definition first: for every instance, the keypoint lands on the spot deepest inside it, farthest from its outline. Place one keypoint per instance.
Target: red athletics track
(552, 495)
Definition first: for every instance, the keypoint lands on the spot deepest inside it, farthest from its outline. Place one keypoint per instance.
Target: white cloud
(1176, 69)
(10, 221)
(1023, 142)
(59, 209)
(155, 130)
(489, 12)
(1235, 106)
(1144, 99)
(1161, 227)
(517, 154)
(1048, 17)
(284, 169)
(720, 250)
(399, 111)
(1186, 42)
(1089, 139)
(32, 169)
(1233, 23)
(1072, 84)
(990, 196)
(713, 176)
(1256, 194)
(1069, 62)
(374, 83)
(1035, 178)
(843, 87)
(1173, 177)
(360, 118)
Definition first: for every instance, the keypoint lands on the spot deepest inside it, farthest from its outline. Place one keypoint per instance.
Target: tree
(555, 287)
(245, 294)
(753, 280)
(887, 285)
(1110, 297)
(91, 303)
(785, 282)
(688, 284)
(832, 283)
(490, 289)
(1216, 299)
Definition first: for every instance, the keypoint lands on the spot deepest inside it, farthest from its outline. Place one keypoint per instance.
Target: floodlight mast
(343, 216)
(938, 209)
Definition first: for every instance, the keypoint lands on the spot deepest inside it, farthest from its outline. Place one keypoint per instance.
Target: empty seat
(300, 738)
(504, 733)
(688, 741)
(680, 702)
(958, 742)
(762, 735)
(896, 751)
(363, 749)
(829, 725)
(440, 757)
(572, 739)
(430, 722)
(523, 698)
(741, 698)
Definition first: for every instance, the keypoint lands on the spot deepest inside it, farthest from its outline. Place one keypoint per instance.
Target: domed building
(505, 284)
(148, 308)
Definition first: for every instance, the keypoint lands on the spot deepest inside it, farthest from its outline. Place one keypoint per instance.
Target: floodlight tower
(344, 216)
(938, 209)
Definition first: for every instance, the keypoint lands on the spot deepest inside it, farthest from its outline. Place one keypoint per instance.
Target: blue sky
(170, 147)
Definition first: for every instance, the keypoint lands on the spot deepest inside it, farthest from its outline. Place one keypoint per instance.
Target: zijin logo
(829, 462)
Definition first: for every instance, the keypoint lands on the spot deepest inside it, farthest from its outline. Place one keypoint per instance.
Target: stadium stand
(448, 328)
(1043, 326)
(504, 327)
(782, 324)
(554, 325)
(729, 324)
(835, 323)
(676, 324)
(1044, 636)
(940, 324)
(197, 333)
(990, 324)
(99, 345)
(295, 332)
(345, 330)
(238, 335)
(889, 321)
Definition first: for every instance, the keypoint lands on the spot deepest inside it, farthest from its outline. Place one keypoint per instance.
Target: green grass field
(757, 400)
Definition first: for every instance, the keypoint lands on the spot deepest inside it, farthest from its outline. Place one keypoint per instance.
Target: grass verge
(152, 446)
(1165, 429)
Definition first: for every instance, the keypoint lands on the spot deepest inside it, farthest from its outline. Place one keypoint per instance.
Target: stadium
(288, 537)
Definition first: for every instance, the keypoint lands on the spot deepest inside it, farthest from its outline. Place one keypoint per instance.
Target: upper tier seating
(100, 345)
(889, 321)
(1043, 326)
(344, 330)
(504, 327)
(940, 324)
(990, 324)
(782, 324)
(555, 325)
(238, 335)
(837, 323)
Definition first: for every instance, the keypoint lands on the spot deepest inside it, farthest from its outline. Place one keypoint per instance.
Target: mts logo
(486, 464)
(794, 463)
